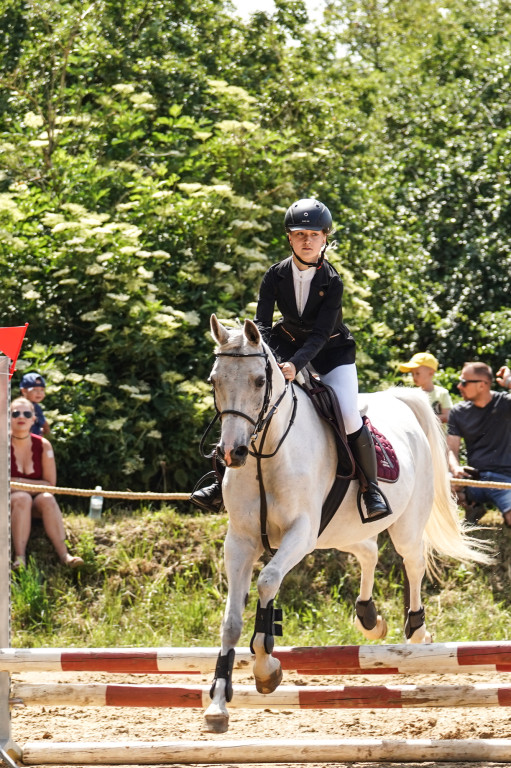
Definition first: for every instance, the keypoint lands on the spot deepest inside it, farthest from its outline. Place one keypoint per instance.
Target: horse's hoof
(270, 683)
(421, 635)
(217, 723)
(383, 628)
(378, 632)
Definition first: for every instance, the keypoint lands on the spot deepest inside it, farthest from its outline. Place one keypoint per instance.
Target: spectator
(423, 367)
(33, 462)
(33, 387)
(483, 421)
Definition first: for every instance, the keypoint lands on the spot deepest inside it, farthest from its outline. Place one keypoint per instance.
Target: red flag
(11, 340)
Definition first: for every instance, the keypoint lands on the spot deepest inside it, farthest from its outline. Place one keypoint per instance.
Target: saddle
(326, 404)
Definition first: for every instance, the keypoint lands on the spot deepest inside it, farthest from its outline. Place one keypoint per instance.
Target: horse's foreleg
(239, 559)
(295, 544)
(367, 620)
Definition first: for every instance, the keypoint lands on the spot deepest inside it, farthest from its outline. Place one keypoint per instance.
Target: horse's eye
(260, 381)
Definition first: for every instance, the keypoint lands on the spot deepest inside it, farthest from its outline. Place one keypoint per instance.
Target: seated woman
(33, 462)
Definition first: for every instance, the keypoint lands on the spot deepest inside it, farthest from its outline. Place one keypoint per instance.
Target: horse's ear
(218, 331)
(251, 332)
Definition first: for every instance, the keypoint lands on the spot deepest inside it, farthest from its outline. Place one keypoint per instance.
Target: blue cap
(29, 380)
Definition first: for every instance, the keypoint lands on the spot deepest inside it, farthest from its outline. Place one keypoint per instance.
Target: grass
(156, 578)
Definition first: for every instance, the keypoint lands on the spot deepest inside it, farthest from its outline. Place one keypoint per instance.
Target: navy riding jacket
(319, 335)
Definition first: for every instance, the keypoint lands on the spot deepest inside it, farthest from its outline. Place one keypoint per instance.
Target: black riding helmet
(308, 213)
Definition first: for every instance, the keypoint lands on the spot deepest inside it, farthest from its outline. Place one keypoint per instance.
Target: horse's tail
(445, 533)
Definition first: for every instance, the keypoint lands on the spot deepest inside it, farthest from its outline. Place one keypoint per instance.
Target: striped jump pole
(268, 751)
(440, 658)
(246, 697)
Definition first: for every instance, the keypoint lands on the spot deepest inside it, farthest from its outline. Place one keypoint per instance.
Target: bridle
(262, 422)
(261, 425)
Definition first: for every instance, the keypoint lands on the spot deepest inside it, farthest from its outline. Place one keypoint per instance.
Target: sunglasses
(464, 382)
(17, 414)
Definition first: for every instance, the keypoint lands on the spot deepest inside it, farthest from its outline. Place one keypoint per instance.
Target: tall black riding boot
(209, 498)
(364, 454)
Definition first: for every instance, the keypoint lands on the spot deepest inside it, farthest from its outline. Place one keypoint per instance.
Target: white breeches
(344, 382)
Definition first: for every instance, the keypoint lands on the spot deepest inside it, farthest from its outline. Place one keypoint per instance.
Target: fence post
(7, 747)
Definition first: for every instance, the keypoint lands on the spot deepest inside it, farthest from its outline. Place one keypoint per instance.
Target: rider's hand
(288, 370)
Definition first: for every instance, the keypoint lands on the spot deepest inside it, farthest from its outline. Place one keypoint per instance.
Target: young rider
(308, 293)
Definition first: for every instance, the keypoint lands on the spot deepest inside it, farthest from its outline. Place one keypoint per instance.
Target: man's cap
(29, 380)
(421, 358)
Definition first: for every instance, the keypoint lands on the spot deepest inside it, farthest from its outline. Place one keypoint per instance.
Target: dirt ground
(82, 724)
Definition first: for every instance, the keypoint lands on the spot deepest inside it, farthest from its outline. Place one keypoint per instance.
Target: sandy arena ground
(133, 724)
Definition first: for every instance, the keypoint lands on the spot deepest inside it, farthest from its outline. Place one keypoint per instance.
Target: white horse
(298, 467)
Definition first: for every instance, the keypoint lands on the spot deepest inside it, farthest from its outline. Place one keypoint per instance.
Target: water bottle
(96, 505)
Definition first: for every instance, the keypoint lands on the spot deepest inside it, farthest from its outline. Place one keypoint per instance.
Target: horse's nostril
(241, 451)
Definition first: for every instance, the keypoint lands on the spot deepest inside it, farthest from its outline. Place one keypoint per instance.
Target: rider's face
(307, 243)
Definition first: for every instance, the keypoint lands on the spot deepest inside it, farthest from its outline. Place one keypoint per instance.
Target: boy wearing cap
(32, 386)
(423, 366)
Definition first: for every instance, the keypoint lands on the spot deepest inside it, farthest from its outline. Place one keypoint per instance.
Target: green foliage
(146, 160)
(30, 603)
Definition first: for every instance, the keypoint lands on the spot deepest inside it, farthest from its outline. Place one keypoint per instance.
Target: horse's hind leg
(409, 544)
(415, 623)
(239, 559)
(367, 620)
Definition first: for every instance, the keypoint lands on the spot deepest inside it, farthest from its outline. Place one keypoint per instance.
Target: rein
(259, 455)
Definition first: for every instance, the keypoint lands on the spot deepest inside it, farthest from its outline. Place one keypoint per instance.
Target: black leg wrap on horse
(265, 622)
(414, 620)
(366, 613)
(223, 670)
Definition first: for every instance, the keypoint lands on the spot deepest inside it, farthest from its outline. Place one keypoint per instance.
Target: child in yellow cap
(423, 367)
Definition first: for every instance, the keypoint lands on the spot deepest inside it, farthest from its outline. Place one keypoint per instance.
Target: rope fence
(150, 496)
(478, 483)
(147, 496)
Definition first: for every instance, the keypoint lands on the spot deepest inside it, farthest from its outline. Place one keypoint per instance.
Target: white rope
(478, 483)
(149, 496)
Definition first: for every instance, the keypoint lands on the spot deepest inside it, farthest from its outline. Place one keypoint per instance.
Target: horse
(274, 444)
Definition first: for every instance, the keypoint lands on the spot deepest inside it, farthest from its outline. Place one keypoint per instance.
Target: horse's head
(242, 383)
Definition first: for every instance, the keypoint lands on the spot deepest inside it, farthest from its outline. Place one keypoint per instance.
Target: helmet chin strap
(317, 264)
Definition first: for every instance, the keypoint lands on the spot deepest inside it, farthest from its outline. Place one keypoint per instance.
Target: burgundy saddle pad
(387, 462)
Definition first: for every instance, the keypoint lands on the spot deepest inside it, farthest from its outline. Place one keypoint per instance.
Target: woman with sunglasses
(33, 462)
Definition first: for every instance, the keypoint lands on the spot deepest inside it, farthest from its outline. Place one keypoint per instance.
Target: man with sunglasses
(483, 421)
